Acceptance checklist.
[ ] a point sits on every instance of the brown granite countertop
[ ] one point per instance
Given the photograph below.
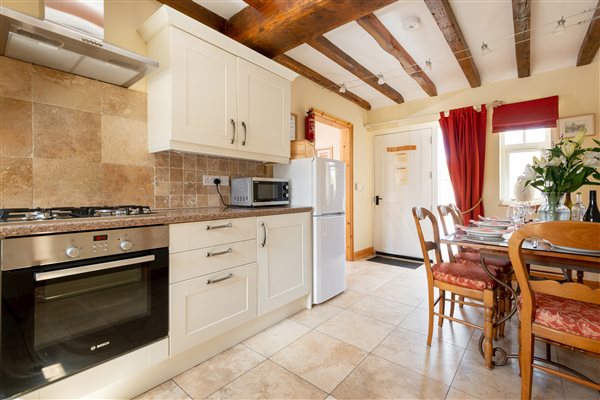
(162, 217)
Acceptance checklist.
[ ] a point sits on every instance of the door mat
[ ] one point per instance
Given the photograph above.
(396, 262)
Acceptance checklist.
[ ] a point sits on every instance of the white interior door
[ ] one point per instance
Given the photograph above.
(403, 180)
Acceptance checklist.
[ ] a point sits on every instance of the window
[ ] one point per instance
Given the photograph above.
(517, 149)
(445, 190)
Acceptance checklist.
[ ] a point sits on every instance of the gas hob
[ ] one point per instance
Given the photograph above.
(55, 213)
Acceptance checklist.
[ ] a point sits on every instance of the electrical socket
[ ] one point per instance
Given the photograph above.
(208, 180)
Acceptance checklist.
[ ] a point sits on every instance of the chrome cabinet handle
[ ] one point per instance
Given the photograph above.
(211, 281)
(210, 228)
(245, 133)
(264, 242)
(61, 273)
(233, 138)
(219, 253)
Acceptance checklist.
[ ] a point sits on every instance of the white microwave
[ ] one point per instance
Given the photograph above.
(253, 192)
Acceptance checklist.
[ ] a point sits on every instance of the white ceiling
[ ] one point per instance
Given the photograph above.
(488, 21)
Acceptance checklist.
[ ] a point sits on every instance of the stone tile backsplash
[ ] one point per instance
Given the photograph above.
(66, 140)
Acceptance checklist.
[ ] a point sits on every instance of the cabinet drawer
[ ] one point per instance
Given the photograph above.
(194, 263)
(204, 307)
(197, 235)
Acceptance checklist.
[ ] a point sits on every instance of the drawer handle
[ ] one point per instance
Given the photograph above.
(211, 281)
(210, 228)
(264, 242)
(219, 253)
(233, 138)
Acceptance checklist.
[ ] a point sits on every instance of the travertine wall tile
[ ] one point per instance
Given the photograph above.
(57, 88)
(66, 182)
(123, 102)
(15, 79)
(126, 184)
(64, 133)
(16, 134)
(16, 176)
(125, 142)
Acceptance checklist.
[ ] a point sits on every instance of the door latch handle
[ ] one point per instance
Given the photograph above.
(377, 198)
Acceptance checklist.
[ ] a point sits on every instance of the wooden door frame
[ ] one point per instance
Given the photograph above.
(347, 155)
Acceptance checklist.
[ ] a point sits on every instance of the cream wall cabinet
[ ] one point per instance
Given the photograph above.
(284, 259)
(212, 95)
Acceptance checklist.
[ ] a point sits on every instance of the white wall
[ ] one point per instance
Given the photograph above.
(328, 136)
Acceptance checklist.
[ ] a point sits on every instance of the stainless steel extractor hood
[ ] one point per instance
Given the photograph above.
(60, 47)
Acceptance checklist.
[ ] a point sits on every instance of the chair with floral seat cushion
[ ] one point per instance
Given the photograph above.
(467, 280)
(467, 255)
(566, 314)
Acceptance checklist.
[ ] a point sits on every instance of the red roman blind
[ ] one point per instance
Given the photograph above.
(539, 113)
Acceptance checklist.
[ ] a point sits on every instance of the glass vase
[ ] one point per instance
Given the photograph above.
(553, 207)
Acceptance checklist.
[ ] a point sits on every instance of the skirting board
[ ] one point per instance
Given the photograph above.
(364, 253)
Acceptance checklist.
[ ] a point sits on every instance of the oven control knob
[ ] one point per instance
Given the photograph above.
(287, 187)
(126, 245)
(72, 252)
(286, 195)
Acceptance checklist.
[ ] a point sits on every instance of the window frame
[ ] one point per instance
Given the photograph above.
(505, 193)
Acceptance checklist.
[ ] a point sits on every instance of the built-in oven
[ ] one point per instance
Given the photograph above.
(253, 192)
(72, 301)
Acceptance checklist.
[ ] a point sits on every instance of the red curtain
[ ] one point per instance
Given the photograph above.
(464, 142)
(539, 113)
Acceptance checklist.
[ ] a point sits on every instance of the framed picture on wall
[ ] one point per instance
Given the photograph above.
(571, 126)
(293, 126)
(325, 152)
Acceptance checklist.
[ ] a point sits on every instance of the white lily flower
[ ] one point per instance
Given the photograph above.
(529, 173)
(579, 138)
(591, 159)
(568, 148)
(555, 162)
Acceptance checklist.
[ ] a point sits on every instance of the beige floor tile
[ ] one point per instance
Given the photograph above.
(409, 349)
(376, 378)
(474, 378)
(397, 291)
(364, 283)
(269, 381)
(574, 391)
(382, 309)
(381, 271)
(586, 365)
(316, 315)
(356, 267)
(454, 333)
(320, 359)
(275, 338)
(208, 377)
(167, 391)
(455, 394)
(357, 330)
(346, 299)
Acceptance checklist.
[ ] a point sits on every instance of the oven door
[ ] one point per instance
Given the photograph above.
(63, 318)
(268, 192)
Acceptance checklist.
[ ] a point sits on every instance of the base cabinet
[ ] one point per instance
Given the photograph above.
(284, 259)
(204, 307)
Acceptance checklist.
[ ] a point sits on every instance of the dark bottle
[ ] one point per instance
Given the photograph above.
(592, 214)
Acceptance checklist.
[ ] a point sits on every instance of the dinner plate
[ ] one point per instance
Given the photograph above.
(495, 219)
(493, 224)
(479, 239)
(484, 232)
(576, 250)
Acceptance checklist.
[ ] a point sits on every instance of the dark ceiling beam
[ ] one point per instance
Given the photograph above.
(281, 25)
(446, 21)
(199, 13)
(320, 80)
(335, 54)
(388, 42)
(258, 4)
(591, 42)
(522, 24)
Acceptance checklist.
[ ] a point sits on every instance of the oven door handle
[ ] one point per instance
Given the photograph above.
(61, 273)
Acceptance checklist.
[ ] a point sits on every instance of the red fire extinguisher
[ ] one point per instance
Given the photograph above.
(309, 126)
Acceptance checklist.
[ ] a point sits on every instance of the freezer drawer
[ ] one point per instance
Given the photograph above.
(329, 256)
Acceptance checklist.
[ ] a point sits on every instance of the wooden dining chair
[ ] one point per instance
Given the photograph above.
(566, 314)
(470, 255)
(467, 280)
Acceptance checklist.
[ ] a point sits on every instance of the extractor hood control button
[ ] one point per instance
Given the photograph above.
(72, 252)
(286, 195)
(126, 245)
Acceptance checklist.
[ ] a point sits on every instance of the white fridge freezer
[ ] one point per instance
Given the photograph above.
(320, 183)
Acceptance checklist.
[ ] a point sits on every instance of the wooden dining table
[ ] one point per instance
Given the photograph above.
(536, 251)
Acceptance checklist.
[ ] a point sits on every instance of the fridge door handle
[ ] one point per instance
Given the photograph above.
(264, 242)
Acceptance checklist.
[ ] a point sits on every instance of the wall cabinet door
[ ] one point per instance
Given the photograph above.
(204, 92)
(263, 111)
(284, 259)
(204, 307)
